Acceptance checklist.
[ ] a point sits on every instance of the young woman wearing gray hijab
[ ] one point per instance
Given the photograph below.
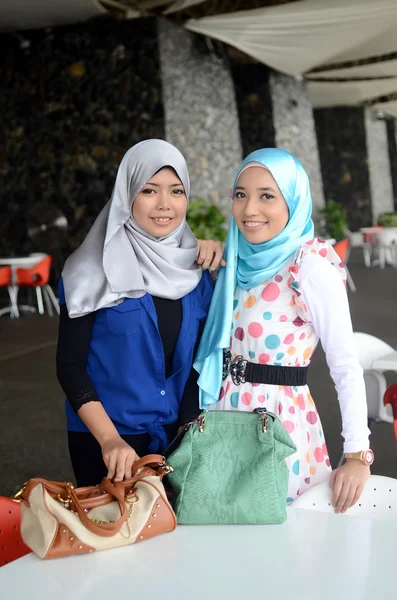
(133, 304)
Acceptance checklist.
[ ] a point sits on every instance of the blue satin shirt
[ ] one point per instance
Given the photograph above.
(126, 363)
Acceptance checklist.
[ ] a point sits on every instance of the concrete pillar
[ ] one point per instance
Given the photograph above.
(201, 117)
(380, 180)
(295, 130)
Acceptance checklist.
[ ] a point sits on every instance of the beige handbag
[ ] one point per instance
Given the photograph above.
(59, 520)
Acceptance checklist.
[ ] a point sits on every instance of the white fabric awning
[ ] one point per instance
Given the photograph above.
(389, 108)
(294, 38)
(181, 5)
(387, 68)
(374, 45)
(29, 14)
(349, 93)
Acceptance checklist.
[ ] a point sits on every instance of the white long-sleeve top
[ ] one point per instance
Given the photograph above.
(325, 296)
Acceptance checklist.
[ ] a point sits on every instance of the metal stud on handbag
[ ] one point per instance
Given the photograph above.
(59, 520)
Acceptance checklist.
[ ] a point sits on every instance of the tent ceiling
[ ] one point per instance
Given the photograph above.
(387, 68)
(295, 38)
(32, 14)
(291, 36)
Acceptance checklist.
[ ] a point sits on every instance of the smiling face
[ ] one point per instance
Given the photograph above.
(259, 208)
(161, 205)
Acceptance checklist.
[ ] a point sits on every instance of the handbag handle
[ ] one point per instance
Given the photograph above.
(56, 489)
(152, 461)
(103, 529)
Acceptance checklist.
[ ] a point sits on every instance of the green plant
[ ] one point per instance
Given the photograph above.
(388, 220)
(335, 217)
(206, 220)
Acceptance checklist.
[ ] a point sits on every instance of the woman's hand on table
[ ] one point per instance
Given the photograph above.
(119, 458)
(348, 482)
(209, 254)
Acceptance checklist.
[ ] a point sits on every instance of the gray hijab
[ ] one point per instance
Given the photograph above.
(120, 260)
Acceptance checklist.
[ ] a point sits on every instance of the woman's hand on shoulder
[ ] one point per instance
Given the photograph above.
(348, 482)
(118, 457)
(209, 254)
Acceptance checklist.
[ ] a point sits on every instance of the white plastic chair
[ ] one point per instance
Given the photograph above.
(357, 241)
(378, 500)
(387, 247)
(370, 348)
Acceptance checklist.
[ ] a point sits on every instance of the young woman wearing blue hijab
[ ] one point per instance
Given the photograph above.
(280, 293)
(133, 303)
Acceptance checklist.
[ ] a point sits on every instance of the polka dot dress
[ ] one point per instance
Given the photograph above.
(271, 325)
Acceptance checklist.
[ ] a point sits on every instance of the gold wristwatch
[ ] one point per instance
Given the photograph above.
(366, 456)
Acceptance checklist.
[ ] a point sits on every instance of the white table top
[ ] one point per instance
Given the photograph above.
(386, 363)
(313, 556)
(23, 261)
(376, 229)
(369, 229)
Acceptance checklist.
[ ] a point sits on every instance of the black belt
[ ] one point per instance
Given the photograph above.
(242, 371)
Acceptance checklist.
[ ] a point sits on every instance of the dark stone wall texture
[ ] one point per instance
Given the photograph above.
(254, 106)
(343, 156)
(75, 99)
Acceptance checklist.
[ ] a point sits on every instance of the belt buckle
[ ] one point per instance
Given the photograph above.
(235, 367)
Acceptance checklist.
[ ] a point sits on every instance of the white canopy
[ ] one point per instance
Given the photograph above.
(181, 5)
(30, 14)
(388, 68)
(390, 108)
(296, 37)
(347, 93)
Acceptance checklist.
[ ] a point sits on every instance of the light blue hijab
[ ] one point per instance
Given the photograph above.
(249, 265)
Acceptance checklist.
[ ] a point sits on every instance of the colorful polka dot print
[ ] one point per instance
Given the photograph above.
(271, 325)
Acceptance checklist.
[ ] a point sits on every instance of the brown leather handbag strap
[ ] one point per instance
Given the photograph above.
(103, 529)
(151, 460)
(55, 489)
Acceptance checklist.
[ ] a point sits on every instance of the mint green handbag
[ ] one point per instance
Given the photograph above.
(230, 469)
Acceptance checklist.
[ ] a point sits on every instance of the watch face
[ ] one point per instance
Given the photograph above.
(368, 457)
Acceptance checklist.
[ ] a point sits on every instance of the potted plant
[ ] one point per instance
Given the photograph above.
(335, 220)
(206, 220)
(388, 220)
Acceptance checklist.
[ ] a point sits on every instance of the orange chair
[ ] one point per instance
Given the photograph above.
(342, 249)
(38, 277)
(5, 281)
(11, 543)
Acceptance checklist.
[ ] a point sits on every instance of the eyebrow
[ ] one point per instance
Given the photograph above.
(158, 185)
(262, 189)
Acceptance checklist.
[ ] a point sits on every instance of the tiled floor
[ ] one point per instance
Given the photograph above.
(32, 424)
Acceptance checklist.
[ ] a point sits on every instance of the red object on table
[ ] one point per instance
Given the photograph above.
(390, 397)
(11, 543)
(369, 235)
